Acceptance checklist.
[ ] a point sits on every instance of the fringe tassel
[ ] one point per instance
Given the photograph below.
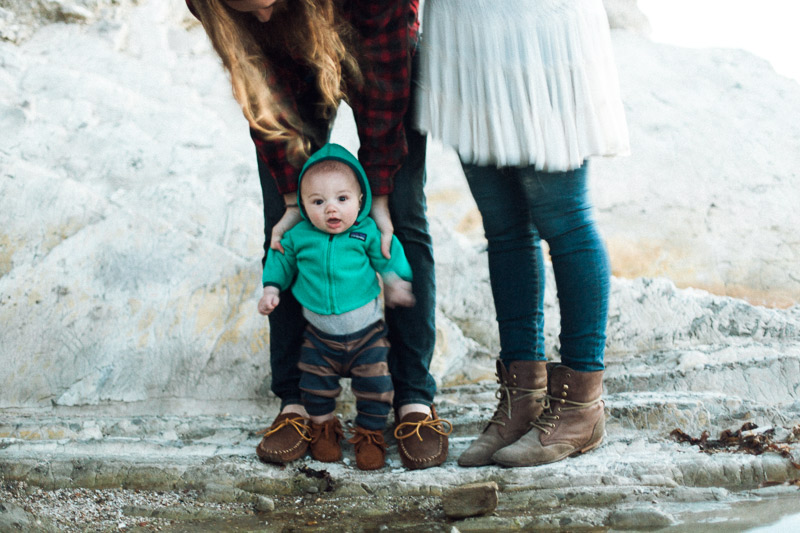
(520, 82)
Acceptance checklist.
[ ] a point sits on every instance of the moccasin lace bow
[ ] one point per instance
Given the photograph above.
(433, 423)
(366, 436)
(297, 423)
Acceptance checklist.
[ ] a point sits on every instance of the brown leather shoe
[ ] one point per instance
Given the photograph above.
(370, 448)
(325, 439)
(422, 440)
(523, 387)
(285, 440)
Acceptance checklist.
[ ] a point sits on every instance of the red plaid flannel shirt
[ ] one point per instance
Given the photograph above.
(388, 33)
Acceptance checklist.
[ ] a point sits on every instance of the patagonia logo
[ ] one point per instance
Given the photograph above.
(358, 235)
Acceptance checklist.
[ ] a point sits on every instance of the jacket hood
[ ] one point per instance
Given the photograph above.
(336, 152)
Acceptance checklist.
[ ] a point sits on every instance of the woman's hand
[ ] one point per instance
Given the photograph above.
(289, 220)
(383, 219)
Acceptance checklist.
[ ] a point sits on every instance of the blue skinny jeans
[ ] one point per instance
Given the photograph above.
(520, 206)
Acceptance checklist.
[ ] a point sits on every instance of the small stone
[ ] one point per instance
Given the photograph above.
(264, 504)
(75, 12)
(782, 434)
(470, 500)
(639, 519)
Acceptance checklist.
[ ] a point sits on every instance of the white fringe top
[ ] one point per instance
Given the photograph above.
(520, 82)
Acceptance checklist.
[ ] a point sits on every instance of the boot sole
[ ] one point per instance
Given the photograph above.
(580, 451)
(474, 465)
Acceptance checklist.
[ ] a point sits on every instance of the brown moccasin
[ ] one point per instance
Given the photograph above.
(422, 439)
(370, 448)
(325, 439)
(285, 440)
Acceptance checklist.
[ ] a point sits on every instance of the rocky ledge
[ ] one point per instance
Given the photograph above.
(643, 476)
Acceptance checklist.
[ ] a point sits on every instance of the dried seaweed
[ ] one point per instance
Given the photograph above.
(743, 440)
(319, 474)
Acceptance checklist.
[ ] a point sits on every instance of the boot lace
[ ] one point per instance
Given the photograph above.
(298, 423)
(546, 420)
(507, 396)
(363, 437)
(436, 424)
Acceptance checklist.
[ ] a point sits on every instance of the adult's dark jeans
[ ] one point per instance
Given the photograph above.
(412, 331)
(520, 206)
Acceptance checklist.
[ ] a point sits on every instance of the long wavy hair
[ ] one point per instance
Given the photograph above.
(308, 30)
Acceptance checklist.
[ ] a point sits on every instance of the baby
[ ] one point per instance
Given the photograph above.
(330, 261)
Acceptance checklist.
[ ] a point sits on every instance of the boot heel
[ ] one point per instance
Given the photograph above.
(589, 447)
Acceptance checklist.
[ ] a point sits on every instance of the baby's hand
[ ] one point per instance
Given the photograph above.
(269, 301)
(397, 292)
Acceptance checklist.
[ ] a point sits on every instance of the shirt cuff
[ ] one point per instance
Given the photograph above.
(381, 179)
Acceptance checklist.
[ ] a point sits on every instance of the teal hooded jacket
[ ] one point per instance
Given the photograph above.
(333, 274)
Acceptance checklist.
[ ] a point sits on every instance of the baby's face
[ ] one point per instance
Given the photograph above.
(331, 200)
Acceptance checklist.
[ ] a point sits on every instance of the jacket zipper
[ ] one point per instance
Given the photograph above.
(329, 273)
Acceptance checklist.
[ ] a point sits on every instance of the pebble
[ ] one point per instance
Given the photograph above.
(264, 504)
(639, 518)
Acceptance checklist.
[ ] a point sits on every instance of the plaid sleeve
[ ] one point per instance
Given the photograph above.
(386, 29)
(274, 156)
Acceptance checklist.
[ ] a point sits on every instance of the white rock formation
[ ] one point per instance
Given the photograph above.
(130, 244)
(131, 231)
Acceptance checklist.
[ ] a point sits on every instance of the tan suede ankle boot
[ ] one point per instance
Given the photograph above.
(523, 387)
(572, 422)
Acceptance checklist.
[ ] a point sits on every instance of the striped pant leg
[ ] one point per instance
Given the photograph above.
(320, 366)
(371, 380)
